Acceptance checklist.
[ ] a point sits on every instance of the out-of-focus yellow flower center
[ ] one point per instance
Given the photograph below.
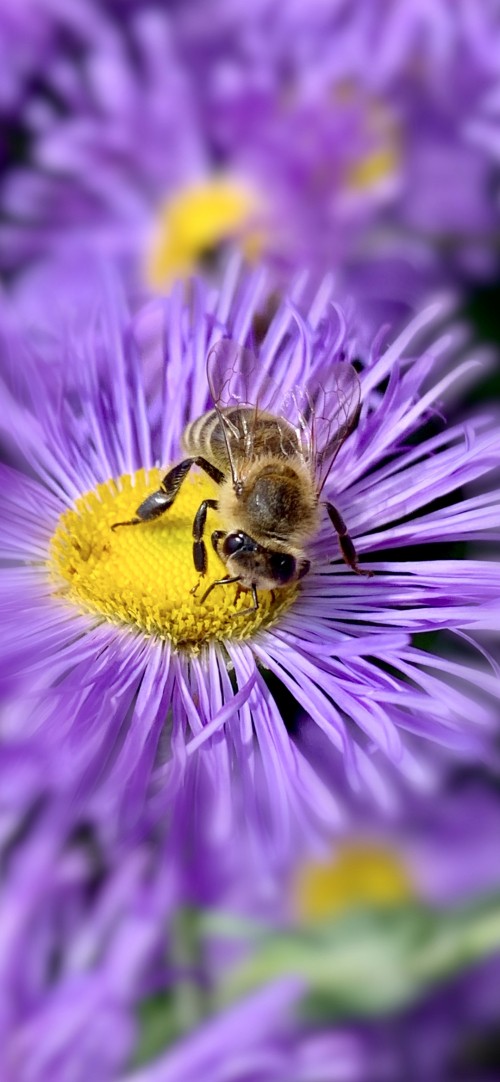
(142, 575)
(195, 221)
(383, 161)
(358, 875)
(369, 171)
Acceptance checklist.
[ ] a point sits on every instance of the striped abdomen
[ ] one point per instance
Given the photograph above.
(251, 435)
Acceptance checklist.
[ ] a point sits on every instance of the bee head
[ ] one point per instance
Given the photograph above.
(259, 566)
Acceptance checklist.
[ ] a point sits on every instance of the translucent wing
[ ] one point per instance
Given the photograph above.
(240, 392)
(321, 415)
(232, 373)
(326, 413)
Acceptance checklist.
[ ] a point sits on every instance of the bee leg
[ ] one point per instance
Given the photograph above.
(345, 541)
(252, 608)
(217, 536)
(219, 582)
(213, 472)
(158, 502)
(152, 507)
(199, 547)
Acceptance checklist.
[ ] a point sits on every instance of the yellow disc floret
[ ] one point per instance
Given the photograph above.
(195, 221)
(144, 575)
(372, 169)
(360, 874)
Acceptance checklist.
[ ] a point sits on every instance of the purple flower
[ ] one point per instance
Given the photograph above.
(29, 36)
(391, 928)
(438, 853)
(360, 137)
(250, 1042)
(87, 938)
(374, 126)
(109, 132)
(90, 982)
(120, 685)
(82, 930)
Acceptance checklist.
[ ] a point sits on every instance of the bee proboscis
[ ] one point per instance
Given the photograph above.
(270, 460)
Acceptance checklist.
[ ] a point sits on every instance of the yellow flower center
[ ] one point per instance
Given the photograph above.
(194, 222)
(369, 171)
(382, 162)
(359, 875)
(143, 575)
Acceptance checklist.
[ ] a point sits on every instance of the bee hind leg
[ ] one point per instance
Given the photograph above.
(346, 543)
(158, 502)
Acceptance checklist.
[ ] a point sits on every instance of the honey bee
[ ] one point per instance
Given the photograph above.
(270, 469)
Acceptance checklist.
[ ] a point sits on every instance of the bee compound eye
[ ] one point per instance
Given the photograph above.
(283, 566)
(234, 543)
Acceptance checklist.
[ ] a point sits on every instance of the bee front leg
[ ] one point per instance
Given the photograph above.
(217, 536)
(199, 547)
(346, 543)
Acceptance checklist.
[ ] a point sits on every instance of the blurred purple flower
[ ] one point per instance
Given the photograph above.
(112, 713)
(249, 1042)
(372, 125)
(432, 858)
(80, 931)
(87, 962)
(109, 130)
(438, 853)
(366, 131)
(87, 937)
(30, 34)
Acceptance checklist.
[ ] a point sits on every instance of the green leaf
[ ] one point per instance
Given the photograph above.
(370, 961)
(157, 1028)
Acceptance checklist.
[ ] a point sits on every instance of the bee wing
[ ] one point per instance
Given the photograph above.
(230, 370)
(324, 416)
(235, 378)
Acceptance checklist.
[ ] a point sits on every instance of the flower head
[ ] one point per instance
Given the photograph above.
(112, 961)
(124, 682)
(395, 933)
(83, 928)
(372, 124)
(356, 136)
(106, 139)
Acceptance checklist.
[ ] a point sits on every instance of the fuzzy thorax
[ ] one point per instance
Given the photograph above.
(277, 505)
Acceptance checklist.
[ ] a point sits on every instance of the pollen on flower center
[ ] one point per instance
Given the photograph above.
(358, 875)
(195, 221)
(143, 575)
